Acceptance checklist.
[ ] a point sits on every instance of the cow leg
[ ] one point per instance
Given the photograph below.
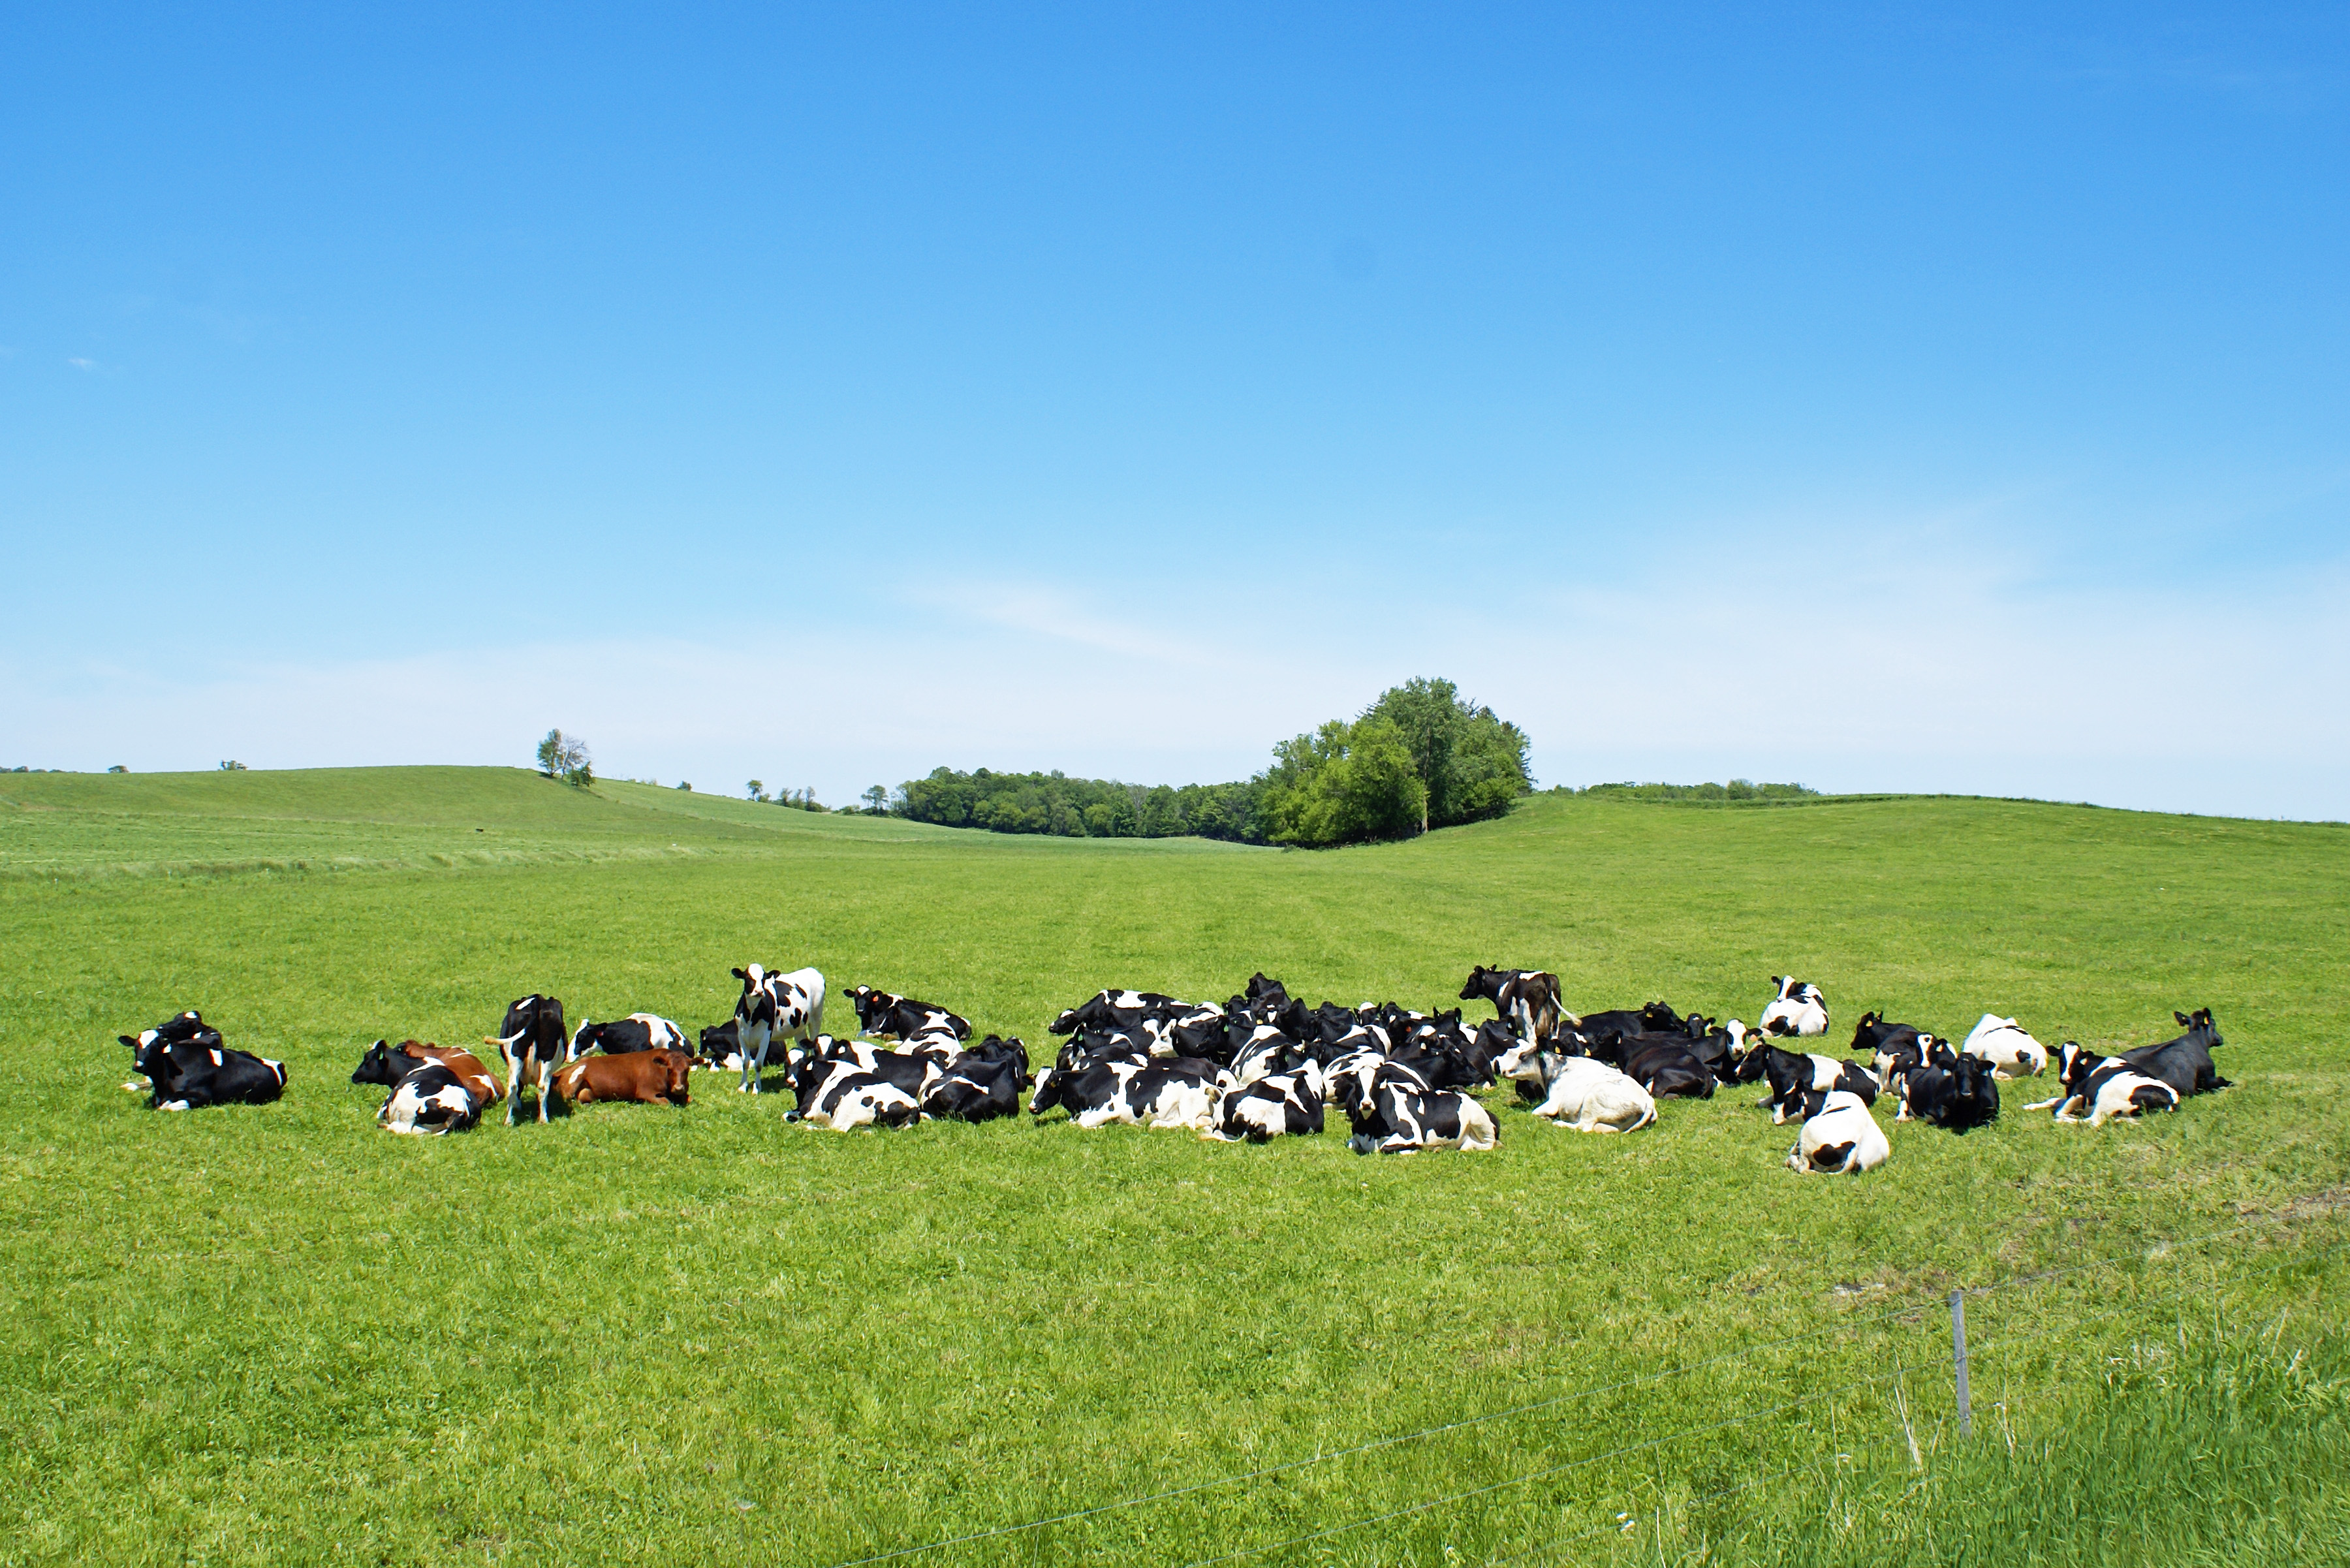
(514, 1076)
(546, 1089)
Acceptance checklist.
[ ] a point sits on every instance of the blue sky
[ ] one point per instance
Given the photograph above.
(1881, 399)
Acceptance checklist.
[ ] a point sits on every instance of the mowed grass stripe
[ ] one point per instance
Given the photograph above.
(276, 1333)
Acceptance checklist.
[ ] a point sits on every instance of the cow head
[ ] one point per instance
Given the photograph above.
(1482, 982)
(2199, 1023)
(1049, 1084)
(675, 1068)
(385, 1064)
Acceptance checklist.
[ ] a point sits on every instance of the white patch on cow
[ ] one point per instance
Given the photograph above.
(2012, 1052)
(1592, 1097)
(172, 1105)
(1842, 1120)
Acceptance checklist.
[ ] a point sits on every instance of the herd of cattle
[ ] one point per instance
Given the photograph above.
(1262, 1065)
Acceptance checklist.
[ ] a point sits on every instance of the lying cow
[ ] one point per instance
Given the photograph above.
(1526, 998)
(2104, 1086)
(637, 1032)
(1115, 1010)
(434, 1089)
(885, 1016)
(1838, 1138)
(1285, 1105)
(981, 1083)
(1399, 1120)
(1100, 1092)
(650, 1077)
(2012, 1053)
(1797, 1009)
(186, 1076)
(1949, 1090)
(1579, 1093)
(2185, 1063)
(187, 1028)
(531, 1044)
(1792, 1077)
(775, 1007)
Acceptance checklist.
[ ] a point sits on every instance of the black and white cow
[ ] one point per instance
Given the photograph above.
(2185, 1063)
(187, 1028)
(637, 1032)
(775, 1007)
(1526, 998)
(2011, 1051)
(531, 1043)
(1099, 1093)
(1793, 1076)
(721, 1048)
(912, 1071)
(1798, 1008)
(981, 1083)
(886, 1016)
(428, 1097)
(1949, 1090)
(2104, 1086)
(1894, 1050)
(1398, 1120)
(186, 1076)
(1839, 1136)
(836, 1092)
(1114, 1009)
(1285, 1105)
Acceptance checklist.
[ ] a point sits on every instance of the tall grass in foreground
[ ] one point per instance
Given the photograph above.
(2200, 1442)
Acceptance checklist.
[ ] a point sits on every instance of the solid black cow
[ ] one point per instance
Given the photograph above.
(1668, 1064)
(186, 1076)
(1655, 1018)
(1949, 1090)
(2185, 1063)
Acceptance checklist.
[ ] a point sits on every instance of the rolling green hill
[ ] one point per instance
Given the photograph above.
(275, 1332)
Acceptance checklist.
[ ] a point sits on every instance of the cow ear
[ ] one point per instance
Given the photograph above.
(2183, 1019)
(739, 974)
(127, 1041)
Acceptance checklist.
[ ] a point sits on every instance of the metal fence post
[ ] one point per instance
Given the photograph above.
(1958, 1359)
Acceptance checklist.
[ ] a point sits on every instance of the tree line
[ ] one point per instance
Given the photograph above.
(1420, 757)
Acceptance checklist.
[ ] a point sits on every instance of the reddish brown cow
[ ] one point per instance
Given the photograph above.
(647, 1078)
(468, 1067)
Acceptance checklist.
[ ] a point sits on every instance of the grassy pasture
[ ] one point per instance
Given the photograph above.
(275, 1333)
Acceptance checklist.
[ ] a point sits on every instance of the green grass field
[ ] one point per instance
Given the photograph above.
(275, 1333)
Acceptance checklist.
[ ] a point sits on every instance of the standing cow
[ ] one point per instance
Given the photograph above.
(774, 1006)
(1528, 998)
(532, 1042)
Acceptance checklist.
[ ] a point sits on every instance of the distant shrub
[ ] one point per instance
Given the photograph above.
(565, 757)
(1700, 793)
(683, 786)
(118, 768)
(231, 767)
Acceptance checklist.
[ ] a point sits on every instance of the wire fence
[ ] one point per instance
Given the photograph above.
(1934, 1353)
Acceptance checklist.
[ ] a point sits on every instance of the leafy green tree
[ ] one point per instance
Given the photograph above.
(565, 757)
(1472, 761)
(1344, 783)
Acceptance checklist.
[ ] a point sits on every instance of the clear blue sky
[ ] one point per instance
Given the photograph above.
(1871, 396)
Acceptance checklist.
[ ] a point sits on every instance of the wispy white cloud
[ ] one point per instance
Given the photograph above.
(81, 364)
(1916, 661)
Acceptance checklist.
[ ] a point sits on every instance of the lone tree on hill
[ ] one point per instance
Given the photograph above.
(565, 757)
